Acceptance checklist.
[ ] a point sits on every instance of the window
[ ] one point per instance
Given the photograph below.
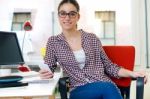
(107, 26)
(19, 19)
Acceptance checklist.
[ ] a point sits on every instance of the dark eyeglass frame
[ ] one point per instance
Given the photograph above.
(71, 14)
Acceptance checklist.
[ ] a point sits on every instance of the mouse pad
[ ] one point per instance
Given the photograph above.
(9, 79)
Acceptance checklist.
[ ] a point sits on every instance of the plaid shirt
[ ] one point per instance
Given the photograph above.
(97, 65)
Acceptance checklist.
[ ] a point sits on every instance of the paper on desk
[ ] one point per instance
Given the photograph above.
(32, 77)
(27, 74)
(36, 79)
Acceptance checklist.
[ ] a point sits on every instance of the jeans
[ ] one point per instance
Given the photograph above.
(96, 90)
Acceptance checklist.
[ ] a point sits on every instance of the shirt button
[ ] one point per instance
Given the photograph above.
(87, 79)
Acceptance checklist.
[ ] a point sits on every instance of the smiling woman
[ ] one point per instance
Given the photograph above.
(82, 58)
(68, 15)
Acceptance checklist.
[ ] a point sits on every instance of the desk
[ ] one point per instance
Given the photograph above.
(32, 90)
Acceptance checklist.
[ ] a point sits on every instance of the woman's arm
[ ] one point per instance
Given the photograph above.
(49, 59)
(133, 74)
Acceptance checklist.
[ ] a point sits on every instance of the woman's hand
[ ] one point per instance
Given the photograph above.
(45, 74)
(136, 74)
(133, 74)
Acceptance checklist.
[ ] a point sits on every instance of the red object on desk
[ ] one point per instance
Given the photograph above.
(23, 68)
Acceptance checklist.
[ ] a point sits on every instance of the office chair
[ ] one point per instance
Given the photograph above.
(123, 56)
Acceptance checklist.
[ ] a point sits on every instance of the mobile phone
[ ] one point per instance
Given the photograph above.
(44, 66)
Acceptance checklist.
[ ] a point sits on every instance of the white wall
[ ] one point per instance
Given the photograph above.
(139, 30)
(148, 23)
(41, 19)
(123, 17)
(138, 27)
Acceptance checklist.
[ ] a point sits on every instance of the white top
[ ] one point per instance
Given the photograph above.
(80, 57)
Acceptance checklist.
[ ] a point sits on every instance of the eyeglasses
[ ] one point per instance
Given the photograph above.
(71, 14)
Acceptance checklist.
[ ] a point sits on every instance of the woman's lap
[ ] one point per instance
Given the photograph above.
(96, 90)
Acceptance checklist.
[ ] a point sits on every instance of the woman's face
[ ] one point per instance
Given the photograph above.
(68, 16)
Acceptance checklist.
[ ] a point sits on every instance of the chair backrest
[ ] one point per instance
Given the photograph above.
(123, 56)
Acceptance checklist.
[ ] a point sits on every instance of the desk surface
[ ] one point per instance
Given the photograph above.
(33, 89)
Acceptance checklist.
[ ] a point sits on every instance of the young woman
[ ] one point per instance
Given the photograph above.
(82, 57)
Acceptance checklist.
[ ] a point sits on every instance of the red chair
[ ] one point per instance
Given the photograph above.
(123, 56)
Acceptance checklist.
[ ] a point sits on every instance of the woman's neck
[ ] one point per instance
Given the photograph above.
(71, 33)
(74, 39)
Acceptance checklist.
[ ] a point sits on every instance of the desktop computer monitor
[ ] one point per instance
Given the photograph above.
(10, 52)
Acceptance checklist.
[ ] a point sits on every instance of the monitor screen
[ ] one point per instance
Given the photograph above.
(10, 52)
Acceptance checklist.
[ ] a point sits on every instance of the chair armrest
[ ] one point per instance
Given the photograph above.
(140, 88)
(63, 88)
